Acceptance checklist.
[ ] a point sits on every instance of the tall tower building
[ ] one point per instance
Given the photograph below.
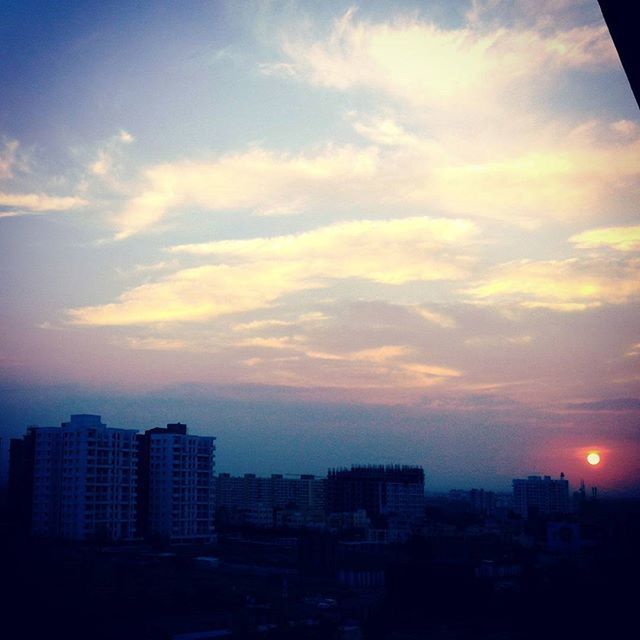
(80, 479)
(177, 486)
(540, 495)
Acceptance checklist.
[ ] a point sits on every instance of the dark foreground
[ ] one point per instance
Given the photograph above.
(462, 577)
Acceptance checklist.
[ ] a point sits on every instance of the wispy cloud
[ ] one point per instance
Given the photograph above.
(156, 344)
(618, 238)
(8, 158)
(423, 64)
(195, 295)
(108, 154)
(561, 285)
(509, 157)
(488, 341)
(389, 251)
(251, 274)
(440, 319)
(381, 367)
(30, 203)
(385, 131)
(257, 180)
(256, 325)
(515, 170)
(613, 404)
(633, 351)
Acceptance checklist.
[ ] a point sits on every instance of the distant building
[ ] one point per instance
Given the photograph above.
(177, 484)
(357, 519)
(458, 495)
(540, 495)
(384, 492)
(277, 500)
(78, 480)
(475, 500)
(483, 502)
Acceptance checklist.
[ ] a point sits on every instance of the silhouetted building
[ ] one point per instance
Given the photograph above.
(563, 537)
(382, 491)
(540, 495)
(483, 502)
(77, 481)
(273, 501)
(177, 484)
(358, 519)
(475, 500)
(20, 481)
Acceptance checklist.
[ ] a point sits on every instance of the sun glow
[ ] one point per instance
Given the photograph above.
(593, 458)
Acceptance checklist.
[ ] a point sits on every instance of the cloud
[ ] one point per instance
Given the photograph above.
(552, 174)
(107, 157)
(30, 203)
(560, 285)
(256, 325)
(195, 295)
(459, 126)
(285, 342)
(8, 158)
(310, 319)
(618, 238)
(625, 128)
(379, 354)
(156, 344)
(512, 172)
(355, 376)
(471, 131)
(125, 137)
(491, 341)
(102, 165)
(439, 319)
(506, 167)
(633, 351)
(252, 274)
(388, 251)
(295, 360)
(385, 131)
(385, 366)
(424, 65)
(613, 404)
(261, 181)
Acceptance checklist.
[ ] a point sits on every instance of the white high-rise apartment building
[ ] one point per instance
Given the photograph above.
(84, 480)
(177, 489)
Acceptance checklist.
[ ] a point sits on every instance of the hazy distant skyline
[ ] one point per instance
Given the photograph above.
(327, 232)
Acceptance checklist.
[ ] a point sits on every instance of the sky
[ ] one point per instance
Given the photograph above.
(327, 233)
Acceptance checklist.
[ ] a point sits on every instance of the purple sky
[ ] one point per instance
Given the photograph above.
(326, 233)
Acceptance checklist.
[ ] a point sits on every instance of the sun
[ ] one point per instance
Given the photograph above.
(593, 458)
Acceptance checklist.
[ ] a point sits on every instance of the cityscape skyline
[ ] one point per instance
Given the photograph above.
(327, 233)
(87, 481)
(493, 483)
